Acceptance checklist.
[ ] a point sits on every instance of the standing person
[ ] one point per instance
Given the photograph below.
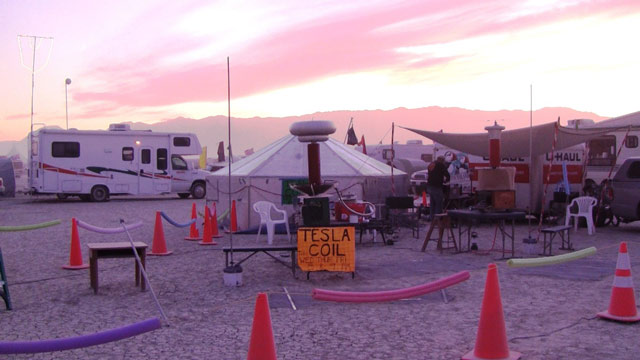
(438, 176)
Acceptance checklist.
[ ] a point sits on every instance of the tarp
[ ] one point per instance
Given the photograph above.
(515, 143)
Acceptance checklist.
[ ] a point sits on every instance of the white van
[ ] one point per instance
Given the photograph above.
(94, 164)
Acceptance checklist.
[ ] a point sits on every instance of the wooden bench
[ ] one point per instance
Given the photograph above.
(115, 250)
(552, 232)
(4, 292)
(265, 249)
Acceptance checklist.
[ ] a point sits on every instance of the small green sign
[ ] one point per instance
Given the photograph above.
(289, 194)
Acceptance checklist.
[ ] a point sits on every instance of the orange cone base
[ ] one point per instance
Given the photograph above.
(75, 267)
(160, 254)
(188, 238)
(207, 243)
(607, 315)
(513, 355)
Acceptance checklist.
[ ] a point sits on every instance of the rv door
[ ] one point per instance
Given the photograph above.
(145, 170)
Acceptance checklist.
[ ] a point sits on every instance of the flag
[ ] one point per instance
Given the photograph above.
(221, 151)
(203, 158)
(364, 146)
(352, 139)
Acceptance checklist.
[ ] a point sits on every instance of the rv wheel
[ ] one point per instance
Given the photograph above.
(99, 193)
(61, 196)
(198, 190)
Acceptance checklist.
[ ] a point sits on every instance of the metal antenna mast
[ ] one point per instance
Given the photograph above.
(33, 84)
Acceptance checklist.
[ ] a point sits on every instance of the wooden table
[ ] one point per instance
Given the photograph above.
(465, 219)
(115, 250)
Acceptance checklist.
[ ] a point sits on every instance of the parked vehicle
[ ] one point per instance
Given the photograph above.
(1, 186)
(94, 164)
(624, 191)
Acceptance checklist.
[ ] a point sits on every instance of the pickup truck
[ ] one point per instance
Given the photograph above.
(625, 191)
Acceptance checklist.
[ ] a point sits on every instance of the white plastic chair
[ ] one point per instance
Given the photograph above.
(264, 209)
(585, 209)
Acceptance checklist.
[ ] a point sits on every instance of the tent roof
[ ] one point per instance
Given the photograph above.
(287, 157)
(516, 142)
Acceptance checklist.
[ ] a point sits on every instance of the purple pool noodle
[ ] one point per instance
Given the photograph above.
(29, 347)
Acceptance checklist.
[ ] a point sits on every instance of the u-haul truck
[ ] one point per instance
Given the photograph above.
(547, 172)
(94, 164)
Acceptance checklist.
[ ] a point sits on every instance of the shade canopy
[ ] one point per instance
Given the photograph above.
(515, 143)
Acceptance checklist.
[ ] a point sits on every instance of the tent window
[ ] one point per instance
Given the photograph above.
(181, 141)
(161, 156)
(65, 149)
(631, 142)
(602, 151)
(127, 154)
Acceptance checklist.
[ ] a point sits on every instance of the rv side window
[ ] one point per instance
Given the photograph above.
(146, 156)
(388, 154)
(428, 158)
(634, 170)
(631, 142)
(127, 154)
(181, 141)
(65, 149)
(161, 156)
(602, 151)
(178, 163)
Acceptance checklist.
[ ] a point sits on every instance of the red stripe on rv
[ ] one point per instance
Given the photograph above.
(69, 172)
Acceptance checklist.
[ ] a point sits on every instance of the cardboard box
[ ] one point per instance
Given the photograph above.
(503, 199)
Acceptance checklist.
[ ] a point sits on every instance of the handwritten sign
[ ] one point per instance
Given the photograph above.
(327, 248)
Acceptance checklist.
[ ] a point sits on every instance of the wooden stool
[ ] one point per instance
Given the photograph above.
(443, 223)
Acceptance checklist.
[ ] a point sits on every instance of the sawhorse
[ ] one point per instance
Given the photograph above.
(443, 223)
(4, 293)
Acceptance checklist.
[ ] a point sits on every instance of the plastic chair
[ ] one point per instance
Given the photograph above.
(585, 209)
(264, 209)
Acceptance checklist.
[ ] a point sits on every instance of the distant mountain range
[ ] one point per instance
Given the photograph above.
(255, 133)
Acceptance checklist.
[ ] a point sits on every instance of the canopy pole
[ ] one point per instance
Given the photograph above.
(393, 155)
(531, 191)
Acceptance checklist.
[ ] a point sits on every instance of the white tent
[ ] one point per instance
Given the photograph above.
(267, 174)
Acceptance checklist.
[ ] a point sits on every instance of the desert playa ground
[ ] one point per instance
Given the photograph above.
(549, 311)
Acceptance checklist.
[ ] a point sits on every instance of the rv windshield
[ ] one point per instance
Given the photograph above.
(178, 163)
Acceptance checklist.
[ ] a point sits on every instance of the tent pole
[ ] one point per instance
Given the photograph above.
(229, 127)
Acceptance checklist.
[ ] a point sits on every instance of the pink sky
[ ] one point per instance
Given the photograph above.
(154, 60)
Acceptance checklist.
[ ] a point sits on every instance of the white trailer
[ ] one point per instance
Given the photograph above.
(94, 164)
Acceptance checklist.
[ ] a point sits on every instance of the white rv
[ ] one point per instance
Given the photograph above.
(607, 152)
(94, 164)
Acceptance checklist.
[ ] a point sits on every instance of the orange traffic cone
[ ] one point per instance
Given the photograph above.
(424, 199)
(262, 345)
(491, 342)
(622, 306)
(214, 223)
(75, 253)
(159, 246)
(234, 219)
(193, 231)
(206, 233)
